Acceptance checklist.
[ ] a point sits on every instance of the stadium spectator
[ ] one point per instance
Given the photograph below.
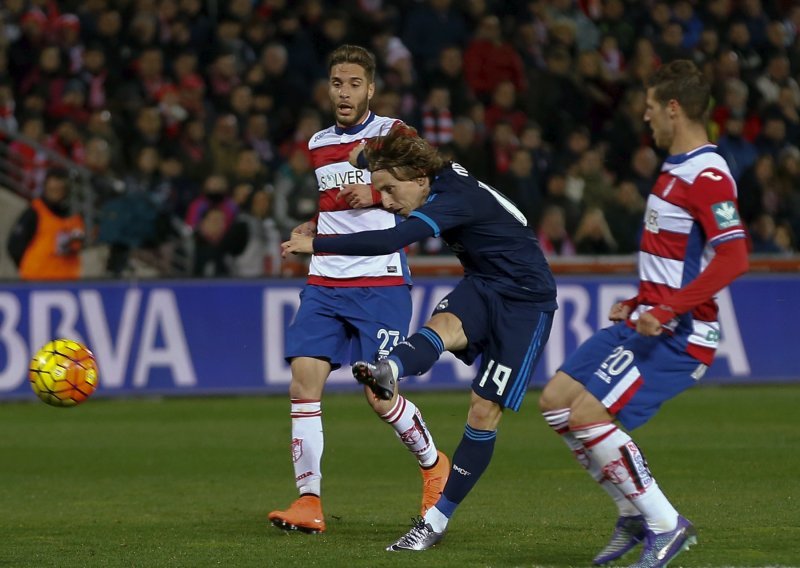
(756, 183)
(224, 145)
(763, 235)
(521, 185)
(624, 216)
(556, 102)
(30, 161)
(734, 101)
(503, 106)
(335, 317)
(552, 233)
(67, 141)
(593, 235)
(615, 23)
(738, 152)
(431, 26)
(260, 254)
(449, 73)
(8, 121)
(624, 132)
(748, 58)
(666, 336)
(296, 192)
(465, 148)
(541, 155)
(436, 119)
(194, 151)
(490, 60)
(776, 76)
(47, 238)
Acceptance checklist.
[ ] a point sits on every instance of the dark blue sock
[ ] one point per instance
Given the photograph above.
(418, 353)
(470, 460)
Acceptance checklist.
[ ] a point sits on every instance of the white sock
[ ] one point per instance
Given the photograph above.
(622, 463)
(307, 445)
(436, 519)
(407, 422)
(558, 420)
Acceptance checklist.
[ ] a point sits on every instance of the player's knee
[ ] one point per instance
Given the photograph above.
(484, 414)
(560, 392)
(548, 399)
(587, 410)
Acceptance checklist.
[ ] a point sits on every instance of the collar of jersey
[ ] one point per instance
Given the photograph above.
(356, 128)
(678, 159)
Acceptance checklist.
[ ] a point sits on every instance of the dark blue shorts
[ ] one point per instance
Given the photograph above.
(510, 334)
(345, 325)
(633, 375)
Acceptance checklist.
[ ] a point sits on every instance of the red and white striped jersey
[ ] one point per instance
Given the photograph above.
(691, 210)
(330, 149)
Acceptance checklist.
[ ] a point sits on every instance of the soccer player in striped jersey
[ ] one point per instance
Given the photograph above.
(351, 305)
(693, 245)
(502, 309)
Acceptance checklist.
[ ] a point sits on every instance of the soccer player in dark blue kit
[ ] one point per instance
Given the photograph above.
(502, 309)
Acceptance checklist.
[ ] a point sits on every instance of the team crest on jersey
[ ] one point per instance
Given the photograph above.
(297, 449)
(651, 220)
(725, 214)
(442, 305)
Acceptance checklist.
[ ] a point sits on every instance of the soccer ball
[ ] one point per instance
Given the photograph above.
(63, 373)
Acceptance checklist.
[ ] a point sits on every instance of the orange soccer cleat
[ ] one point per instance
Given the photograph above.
(433, 480)
(304, 515)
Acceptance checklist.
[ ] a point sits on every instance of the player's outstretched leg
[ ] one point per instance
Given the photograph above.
(630, 528)
(304, 515)
(420, 537)
(378, 376)
(622, 462)
(660, 549)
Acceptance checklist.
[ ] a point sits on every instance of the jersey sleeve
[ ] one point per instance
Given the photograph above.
(374, 243)
(444, 211)
(716, 208)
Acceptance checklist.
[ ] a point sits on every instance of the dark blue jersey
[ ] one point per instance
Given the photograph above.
(482, 227)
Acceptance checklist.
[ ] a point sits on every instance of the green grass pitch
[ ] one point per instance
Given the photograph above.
(188, 482)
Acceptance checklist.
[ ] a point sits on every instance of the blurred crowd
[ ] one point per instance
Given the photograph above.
(201, 110)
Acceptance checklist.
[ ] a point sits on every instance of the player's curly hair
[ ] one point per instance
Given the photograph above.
(682, 81)
(403, 153)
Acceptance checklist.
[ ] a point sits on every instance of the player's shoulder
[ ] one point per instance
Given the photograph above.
(324, 137)
(700, 166)
(453, 177)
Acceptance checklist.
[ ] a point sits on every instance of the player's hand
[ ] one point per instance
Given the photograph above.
(352, 157)
(356, 195)
(297, 244)
(648, 325)
(309, 229)
(619, 312)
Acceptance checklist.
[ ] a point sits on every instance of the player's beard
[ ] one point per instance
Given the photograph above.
(359, 112)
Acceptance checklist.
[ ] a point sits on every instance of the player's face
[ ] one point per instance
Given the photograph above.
(350, 92)
(400, 197)
(660, 120)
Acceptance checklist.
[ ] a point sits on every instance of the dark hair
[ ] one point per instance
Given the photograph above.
(57, 173)
(403, 154)
(354, 54)
(682, 81)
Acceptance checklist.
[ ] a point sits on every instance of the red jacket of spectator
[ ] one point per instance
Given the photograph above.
(486, 63)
